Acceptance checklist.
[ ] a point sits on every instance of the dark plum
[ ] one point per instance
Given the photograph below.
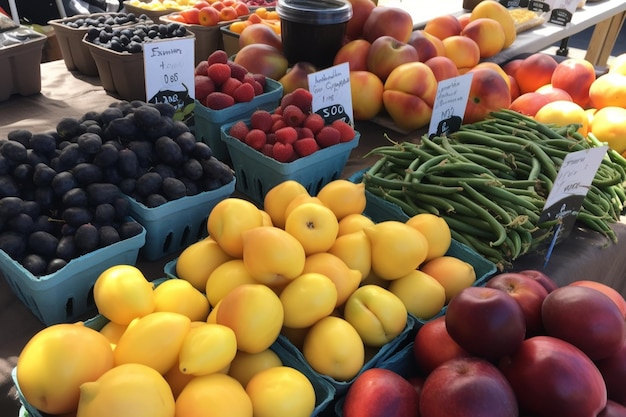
(86, 173)
(42, 243)
(86, 238)
(63, 182)
(76, 197)
(173, 188)
(43, 175)
(13, 243)
(148, 183)
(102, 192)
(10, 206)
(89, 143)
(77, 216)
(154, 200)
(168, 151)
(108, 235)
(35, 264)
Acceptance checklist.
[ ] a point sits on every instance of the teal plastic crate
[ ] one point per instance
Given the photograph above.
(257, 173)
(207, 122)
(176, 224)
(67, 295)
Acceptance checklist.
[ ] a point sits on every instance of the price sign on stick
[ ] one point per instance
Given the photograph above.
(169, 67)
(332, 98)
(569, 190)
(450, 103)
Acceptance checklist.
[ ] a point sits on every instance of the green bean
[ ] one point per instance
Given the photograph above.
(488, 204)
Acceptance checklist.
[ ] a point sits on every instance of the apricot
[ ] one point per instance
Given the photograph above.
(463, 51)
(488, 35)
(495, 10)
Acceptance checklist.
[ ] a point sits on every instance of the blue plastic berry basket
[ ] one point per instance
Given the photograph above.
(207, 122)
(67, 295)
(176, 224)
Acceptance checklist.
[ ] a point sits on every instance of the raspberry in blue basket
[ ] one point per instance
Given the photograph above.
(203, 86)
(286, 134)
(305, 146)
(218, 101)
(293, 115)
(344, 128)
(304, 132)
(271, 138)
(244, 93)
(238, 71)
(239, 130)
(315, 122)
(268, 150)
(261, 119)
(218, 56)
(278, 124)
(260, 78)
(219, 73)
(229, 86)
(255, 138)
(328, 136)
(300, 97)
(283, 152)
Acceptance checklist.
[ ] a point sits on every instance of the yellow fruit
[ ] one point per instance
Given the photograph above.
(281, 391)
(127, 390)
(206, 349)
(295, 336)
(355, 250)
(397, 248)
(314, 225)
(343, 197)
(245, 365)
(122, 293)
(56, 361)
(300, 199)
(618, 64)
(452, 273)
(346, 280)
(215, 395)
(435, 230)
(355, 222)
(272, 256)
(224, 278)
(213, 314)
(255, 314)
(153, 340)
(377, 314)
(267, 220)
(113, 331)
(308, 298)
(495, 10)
(196, 262)
(176, 379)
(278, 198)
(333, 347)
(179, 296)
(423, 295)
(609, 127)
(229, 219)
(562, 113)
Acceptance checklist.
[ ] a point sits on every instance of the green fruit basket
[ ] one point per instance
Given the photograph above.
(66, 296)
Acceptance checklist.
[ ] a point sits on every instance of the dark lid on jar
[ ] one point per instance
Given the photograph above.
(317, 12)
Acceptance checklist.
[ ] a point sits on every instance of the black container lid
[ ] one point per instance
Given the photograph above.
(315, 12)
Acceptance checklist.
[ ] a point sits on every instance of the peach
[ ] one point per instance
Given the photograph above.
(575, 75)
(361, 10)
(367, 94)
(535, 71)
(389, 21)
(208, 16)
(297, 77)
(354, 53)
(386, 53)
(443, 26)
(228, 13)
(529, 103)
(488, 92)
(488, 35)
(259, 33)
(464, 19)
(497, 11)
(427, 46)
(553, 93)
(608, 90)
(463, 51)
(498, 68)
(443, 67)
(513, 87)
(511, 66)
(191, 15)
(263, 59)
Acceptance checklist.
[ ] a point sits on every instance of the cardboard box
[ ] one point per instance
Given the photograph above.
(20, 62)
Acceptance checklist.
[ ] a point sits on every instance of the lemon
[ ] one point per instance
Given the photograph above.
(308, 298)
(300, 199)
(354, 222)
(113, 331)
(196, 262)
(245, 365)
(229, 219)
(225, 277)
(153, 340)
(436, 231)
(453, 274)
(343, 197)
(314, 225)
(346, 280)
(281, 391)
(272, 256)
(206, 349)
(267, 220)
(255, 314)
(122, 293)
(179, 296)
(215, 395)
(127, 390)
(56, 361)
(423, 295)
(278, 198)
(397, 248)
(355, 250)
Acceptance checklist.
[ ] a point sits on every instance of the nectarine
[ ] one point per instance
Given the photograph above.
(367, 94)
(463, 51)
(488, 35)
(535, 71)
(443, 26)
(575, 75)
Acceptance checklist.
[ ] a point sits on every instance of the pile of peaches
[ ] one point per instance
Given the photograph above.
(210, 13)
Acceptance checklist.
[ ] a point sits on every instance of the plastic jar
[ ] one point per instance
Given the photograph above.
(313, 30)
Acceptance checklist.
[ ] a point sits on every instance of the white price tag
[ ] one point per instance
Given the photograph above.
(450, 103)
(332, 98)
(169, 72)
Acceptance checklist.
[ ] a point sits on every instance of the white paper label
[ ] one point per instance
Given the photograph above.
(450, 103)
(332, 98)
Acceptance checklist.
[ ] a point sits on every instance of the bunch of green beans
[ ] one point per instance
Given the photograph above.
(490, 180)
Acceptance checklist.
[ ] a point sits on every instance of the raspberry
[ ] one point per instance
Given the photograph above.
(286, 135)
(328, 136)
(305, 146)
(219, 73)
(244, 93)
(218, 100)
(283, 152)
(260, 78)
(203, 86)
(261, 119)
(271, 138)
(248, 78)
(278, 124)
(305, 132)
(229, 86)
(315, 122)
(299, 97)
(218, 56)
(293, 116)
(344, 128)
(267, 150)
(255, 139)
(258, 88)
(237, 71)
(201, 68)
(239, 130)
